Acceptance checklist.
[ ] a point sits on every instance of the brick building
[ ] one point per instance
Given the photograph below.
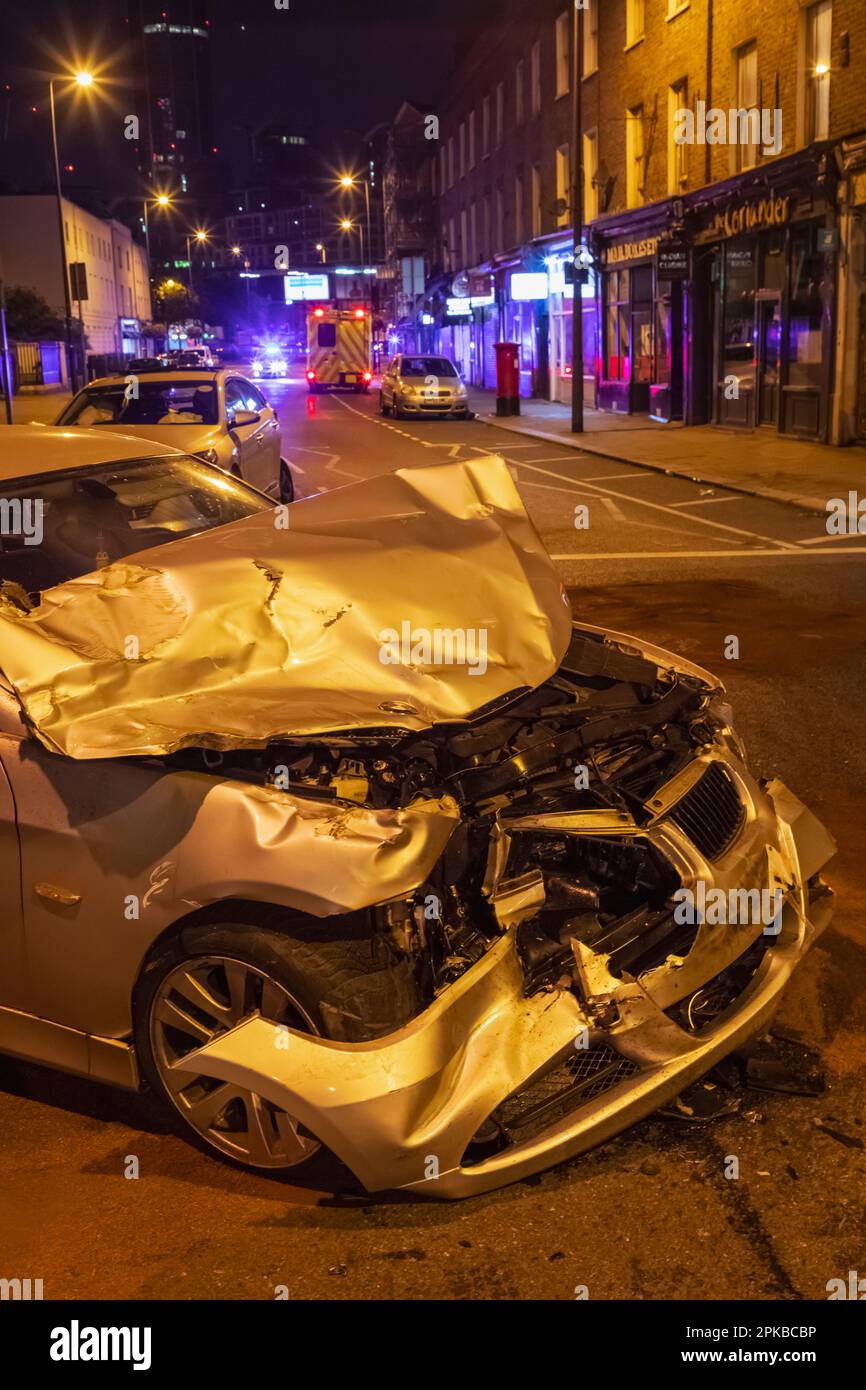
(724, 181)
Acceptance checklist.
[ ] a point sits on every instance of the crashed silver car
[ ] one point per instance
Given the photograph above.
(334, 828)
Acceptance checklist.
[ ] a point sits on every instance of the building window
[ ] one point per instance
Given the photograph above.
(590, 175)
(616, 359)
(486, 248)
(747, 100)
(464, 249)
(451, 161)
(471, 139)
(442, 170)
(485, 127)
(678, 101)
(535, 78)
(590, 38)
(819, 24)
(518, 208)
(634, 155)
(473, 234)
(536, 200)
(462, 134)
(500, 221)
(519, 77)
(634, 21)
(806, 312)
(562, 72)
(500, 112)
(563, 186)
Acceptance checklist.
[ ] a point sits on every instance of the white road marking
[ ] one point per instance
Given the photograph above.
(664, 507)
(705, 501)
(640, 475)
(711, 554)
(821, 540)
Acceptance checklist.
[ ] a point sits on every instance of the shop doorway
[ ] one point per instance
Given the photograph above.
(768, 357)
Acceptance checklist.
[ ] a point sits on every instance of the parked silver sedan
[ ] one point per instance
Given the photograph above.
(421, 385)
(219, 416)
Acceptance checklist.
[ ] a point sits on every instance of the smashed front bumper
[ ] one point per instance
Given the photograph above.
(402, 1112)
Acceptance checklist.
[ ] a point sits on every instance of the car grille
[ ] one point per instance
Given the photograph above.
(711, 814)
(587, 1073)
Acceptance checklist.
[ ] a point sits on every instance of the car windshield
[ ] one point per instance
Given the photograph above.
(427, 366)
(145, 403)
(58, 526)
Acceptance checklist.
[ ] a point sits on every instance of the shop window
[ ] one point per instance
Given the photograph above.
(819, 24)
(642, 323)
(806, 312)
(738, 347)
(662, 345)
(616, 355)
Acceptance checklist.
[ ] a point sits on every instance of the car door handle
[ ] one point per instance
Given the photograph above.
(53, 893)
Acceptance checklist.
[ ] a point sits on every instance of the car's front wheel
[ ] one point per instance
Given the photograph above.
(287, 483)
(337, 982)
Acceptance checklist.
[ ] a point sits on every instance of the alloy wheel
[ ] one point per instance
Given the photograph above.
(196, 1002)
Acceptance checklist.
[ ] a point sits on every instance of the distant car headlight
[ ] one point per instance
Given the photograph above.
(208, 456)
(256, 368)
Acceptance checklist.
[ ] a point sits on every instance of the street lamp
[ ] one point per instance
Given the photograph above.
(201, 237)
(320, 247)
(349, 181)
(162, 200)
(82, 79)
(348, 225)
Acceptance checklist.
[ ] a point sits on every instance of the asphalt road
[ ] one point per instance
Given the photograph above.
(650, 1215)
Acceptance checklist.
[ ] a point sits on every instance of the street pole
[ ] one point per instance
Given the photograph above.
(369, 232)
(189, 259)
(577, 216)
(147, 238)
(67, 300)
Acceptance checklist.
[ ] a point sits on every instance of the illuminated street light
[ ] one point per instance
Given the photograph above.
(352, 181)
(83, 79)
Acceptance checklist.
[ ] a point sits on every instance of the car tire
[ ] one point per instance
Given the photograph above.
(334, 980)
(287, 484)
(383, 408)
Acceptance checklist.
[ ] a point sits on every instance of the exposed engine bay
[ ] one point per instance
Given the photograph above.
(599, 736)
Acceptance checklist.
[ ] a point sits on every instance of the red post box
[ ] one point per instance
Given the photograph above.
(507, 379)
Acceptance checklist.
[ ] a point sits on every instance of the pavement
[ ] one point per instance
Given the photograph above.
(654, 1214)
(758, 462)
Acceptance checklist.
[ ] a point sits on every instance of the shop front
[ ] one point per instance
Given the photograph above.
(764, 291)
(640, 312)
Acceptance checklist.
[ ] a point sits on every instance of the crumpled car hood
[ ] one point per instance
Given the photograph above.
(251, 633)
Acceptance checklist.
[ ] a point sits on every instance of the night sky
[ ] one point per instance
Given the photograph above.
(322, 63)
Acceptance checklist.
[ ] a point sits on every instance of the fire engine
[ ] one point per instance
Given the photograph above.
(339, 349)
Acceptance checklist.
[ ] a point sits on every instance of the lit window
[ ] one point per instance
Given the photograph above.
(590, 37)
(634, 155)
(819, 24)
(747, 100)
(634, 21)
(678, 101)
(562, 45)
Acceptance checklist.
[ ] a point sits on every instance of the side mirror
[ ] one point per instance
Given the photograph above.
(245, 417)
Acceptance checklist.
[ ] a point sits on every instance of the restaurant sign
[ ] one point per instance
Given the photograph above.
(631, 251)
(750, 217)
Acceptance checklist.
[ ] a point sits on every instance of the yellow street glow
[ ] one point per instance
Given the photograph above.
(84, 79)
